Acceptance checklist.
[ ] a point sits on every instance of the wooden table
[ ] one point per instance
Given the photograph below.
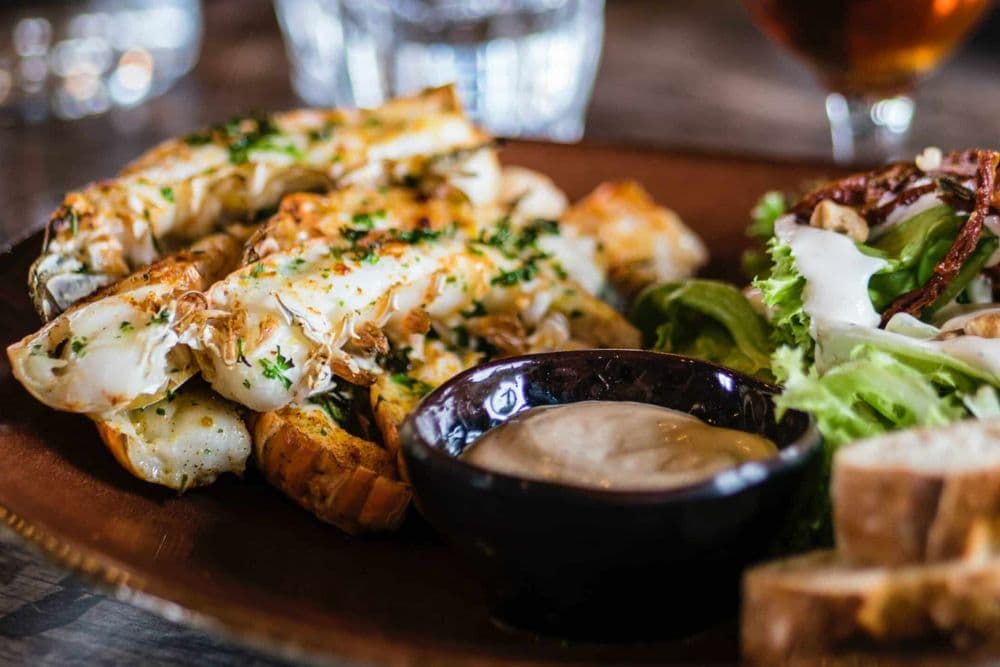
(681, 73)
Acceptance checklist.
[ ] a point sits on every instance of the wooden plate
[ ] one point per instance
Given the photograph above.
(241, 559)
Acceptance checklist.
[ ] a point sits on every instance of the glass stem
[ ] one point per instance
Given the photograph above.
(868, 130)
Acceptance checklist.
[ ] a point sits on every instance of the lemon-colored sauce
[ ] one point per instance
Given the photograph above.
(614, 445)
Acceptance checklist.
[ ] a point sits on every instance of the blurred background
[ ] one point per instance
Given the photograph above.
(87, 85)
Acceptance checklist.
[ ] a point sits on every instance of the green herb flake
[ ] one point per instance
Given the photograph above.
(161, 412)
(411, 384)
(168, 194)
(79, 346)
(161, 317)
(334, 411)
(275, 370)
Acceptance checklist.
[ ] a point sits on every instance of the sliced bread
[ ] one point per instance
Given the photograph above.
(817, 603)
(921, 495)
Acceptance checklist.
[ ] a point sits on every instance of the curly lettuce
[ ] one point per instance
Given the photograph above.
(706, 319)
(771, 206)
(783, 293)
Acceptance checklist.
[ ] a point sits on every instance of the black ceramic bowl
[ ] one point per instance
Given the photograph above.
(604, 564)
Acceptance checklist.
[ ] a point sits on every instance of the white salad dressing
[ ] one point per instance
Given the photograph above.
(836, 275)
(973, 355)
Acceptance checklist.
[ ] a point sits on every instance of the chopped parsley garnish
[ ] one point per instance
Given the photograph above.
(168, 193)
(243, 135)
(161, 317)
(240, 356)
(353, 234)
(330, 407)
(246, 383)
(126, 327)
(79, 346)
(161, 411)
(540, 227)
(321, 134)
(294, 265)
(74, 222)
(257, 270)
(415, 236)
(522, 274)
(412, 384)
(477, 309)
(366, 220)
(275, 370)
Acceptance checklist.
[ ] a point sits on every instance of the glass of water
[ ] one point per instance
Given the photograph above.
(522, 67)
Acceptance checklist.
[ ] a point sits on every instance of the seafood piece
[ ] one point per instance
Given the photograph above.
(120, 348)
(279, 330)
(183, 441)
(329, 273)
(640, 242)
(343, 479)
(185, 188)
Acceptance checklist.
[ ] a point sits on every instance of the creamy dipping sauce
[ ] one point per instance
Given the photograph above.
(614, 445)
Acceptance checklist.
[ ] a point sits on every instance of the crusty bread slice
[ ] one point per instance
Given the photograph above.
(921, 495)
(342, 479)
(816, 603)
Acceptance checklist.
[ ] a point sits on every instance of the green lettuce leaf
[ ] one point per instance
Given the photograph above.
(706, 319)
(914, 247)
(871, 393)
(783, 296)
(771, 206)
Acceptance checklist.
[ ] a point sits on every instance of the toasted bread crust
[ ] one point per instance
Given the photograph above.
(342, 479)
(817, 603)
(925, 495)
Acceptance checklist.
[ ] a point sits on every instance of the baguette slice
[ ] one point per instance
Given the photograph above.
(922, 495)
(818, 603)
(344, 480)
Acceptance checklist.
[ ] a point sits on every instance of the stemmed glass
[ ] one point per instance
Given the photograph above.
(869, 54)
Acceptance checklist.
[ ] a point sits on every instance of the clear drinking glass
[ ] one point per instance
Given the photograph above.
(869, 54)
(522, 67)
(81, 58)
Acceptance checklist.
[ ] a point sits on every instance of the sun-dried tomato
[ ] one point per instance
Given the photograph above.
(915, 301)
(862, 190)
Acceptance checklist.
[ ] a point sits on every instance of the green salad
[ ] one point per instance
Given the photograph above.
(872, 304)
